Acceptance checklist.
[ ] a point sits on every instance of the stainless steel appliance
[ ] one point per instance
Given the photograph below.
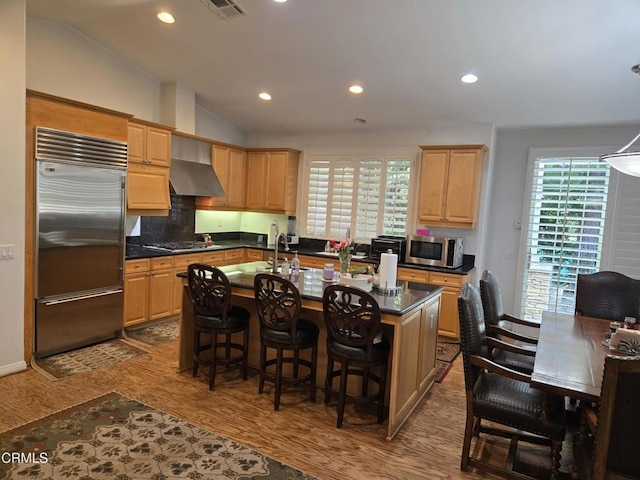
(435, 251)
(80, 212)
(383, 243)
(183, 246)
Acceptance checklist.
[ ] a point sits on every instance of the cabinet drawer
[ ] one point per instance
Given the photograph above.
(234, 256)
(413, 275)
(183, 261)
(133, 266)
(158, 263)
(446, 279)
(253, 255)
(215, 259)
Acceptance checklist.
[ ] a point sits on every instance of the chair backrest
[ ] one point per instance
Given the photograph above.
(618, 421)
(278, 302)
(209, 290)
(610, 295)
(472, 332)
(352, 316)
(491, 298)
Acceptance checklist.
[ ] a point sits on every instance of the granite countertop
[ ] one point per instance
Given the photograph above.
(311, 287)
(135, 252)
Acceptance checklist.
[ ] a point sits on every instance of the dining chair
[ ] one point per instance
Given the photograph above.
(355, 340)
(606, 446)
(606, 294)
(501, 326)
(210, 293)
(503, 397)
(279, 308)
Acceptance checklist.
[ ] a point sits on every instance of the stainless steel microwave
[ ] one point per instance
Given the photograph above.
(435, 251)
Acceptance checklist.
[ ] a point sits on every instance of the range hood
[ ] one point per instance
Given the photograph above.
(191, 172)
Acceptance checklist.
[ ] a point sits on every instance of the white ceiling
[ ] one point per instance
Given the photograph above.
(540, 63)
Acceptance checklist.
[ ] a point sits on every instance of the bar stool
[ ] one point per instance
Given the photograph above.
(279, 306)
(355, 340)
(210, 293)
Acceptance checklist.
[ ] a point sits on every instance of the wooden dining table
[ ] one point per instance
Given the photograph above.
(570, 355)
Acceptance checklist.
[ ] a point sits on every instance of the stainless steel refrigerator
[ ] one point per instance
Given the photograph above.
(80, 213)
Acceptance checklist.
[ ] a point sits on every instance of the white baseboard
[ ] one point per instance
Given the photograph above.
(12, 368)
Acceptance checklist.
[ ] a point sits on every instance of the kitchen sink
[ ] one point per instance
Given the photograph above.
(335, 255)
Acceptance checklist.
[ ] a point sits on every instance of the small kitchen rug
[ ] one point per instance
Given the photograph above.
(154, 334)
(446, 353)
(86, 359)
(114, 436)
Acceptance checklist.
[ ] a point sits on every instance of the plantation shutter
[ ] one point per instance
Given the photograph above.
(341, 198)
(318, 197)
(565, 231)
(369, 191)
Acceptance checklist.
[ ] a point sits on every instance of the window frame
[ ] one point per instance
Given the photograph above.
(410, 154)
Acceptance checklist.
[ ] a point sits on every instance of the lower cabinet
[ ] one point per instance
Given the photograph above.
(180, 264)
(147, 289)
(449, 323)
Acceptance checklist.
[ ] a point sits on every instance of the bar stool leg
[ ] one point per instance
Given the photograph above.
(314, 364)
(214, 359)
(296, 359)
(365, 381)
(245, 355)
(196, 352)
(343, 391)
(383, 389)
(278, 377)
(263, 361)
(328, 380)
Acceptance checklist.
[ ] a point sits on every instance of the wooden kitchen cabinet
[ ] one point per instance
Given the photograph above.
(136, 292)
(253, 255)
(230, 165)
(450, 179)
(160, 287)
(234, 256)
(180, 265)
(215, 259)
(149, 155)
(272, 180)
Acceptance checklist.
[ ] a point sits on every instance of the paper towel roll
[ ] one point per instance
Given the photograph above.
(388, 270)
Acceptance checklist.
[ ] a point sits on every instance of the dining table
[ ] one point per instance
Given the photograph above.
(570, 355)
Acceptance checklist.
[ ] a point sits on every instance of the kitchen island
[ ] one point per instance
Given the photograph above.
(409, 318)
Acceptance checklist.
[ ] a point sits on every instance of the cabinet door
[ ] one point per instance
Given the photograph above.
(178, 284)
(253, 255)
(433, 184)
(463, 185)
(136, 144)
(413, 275)
(215, 259)
(148, 187)
(220, 161)
(136, 298)
(429, 341)
(237, 182)
(449, 323)
(160, 293)
(158, 146)
(277, 181)
(256, 180)
(234, 256)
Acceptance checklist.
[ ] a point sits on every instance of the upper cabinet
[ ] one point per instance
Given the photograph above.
(272, 180)
(230, 165)
(450, 178)
(148, 169)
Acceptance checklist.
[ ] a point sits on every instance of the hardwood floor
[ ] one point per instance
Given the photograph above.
(301, 434)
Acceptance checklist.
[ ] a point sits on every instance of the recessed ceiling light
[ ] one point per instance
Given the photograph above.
(166, 17)
(264, 96)
(280, 1)
(469, 78)
(356, 89)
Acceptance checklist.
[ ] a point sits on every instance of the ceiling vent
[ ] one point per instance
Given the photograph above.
(225, 8)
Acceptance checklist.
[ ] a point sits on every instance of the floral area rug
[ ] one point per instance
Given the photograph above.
(115, 437)
(86, 359)
(445, 355)
(155, 334)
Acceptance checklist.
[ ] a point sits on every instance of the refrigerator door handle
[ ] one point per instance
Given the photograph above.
(75, 298)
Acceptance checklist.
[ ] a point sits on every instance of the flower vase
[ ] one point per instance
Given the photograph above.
(345, 259)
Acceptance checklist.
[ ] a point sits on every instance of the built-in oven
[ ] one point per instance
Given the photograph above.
(435, 251)
(384, 243)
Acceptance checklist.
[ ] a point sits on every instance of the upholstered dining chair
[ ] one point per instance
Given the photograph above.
(502, 396)
(210, 293)
(279, 307)
(355, 340)
(500, 325)
(606, 447)
(606, 294)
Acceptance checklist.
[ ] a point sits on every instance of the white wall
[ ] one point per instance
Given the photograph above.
(209, 125)
(502, 241)
(12, 192)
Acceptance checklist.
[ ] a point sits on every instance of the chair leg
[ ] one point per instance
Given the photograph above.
(383, 389)
(365, 381)
(263, 360)
(328, 380)
(214, 359)
(278, 378)
(196, 352)
(245, 355)
(314, 364)
(343, 391)
(466, 444)
(296, 360)
(227, 349)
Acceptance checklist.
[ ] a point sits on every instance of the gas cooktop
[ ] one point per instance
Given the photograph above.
(185, 246)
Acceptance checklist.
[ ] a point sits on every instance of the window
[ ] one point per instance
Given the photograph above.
(565, 231)
(368, 194)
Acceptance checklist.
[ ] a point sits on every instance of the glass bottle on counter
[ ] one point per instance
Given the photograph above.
(295, 264)
(286, 267)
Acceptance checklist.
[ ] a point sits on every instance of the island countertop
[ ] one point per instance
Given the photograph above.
(311, 287)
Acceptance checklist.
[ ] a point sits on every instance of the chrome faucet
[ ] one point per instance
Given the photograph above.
(286, 249)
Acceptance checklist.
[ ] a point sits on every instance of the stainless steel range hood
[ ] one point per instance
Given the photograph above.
(191, 172)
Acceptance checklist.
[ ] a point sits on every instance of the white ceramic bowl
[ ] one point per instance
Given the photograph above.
(364, 282)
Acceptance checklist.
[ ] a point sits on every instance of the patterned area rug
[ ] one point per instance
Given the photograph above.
(445, 355)
(86, 359)
(155, 334)
(115, 437)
